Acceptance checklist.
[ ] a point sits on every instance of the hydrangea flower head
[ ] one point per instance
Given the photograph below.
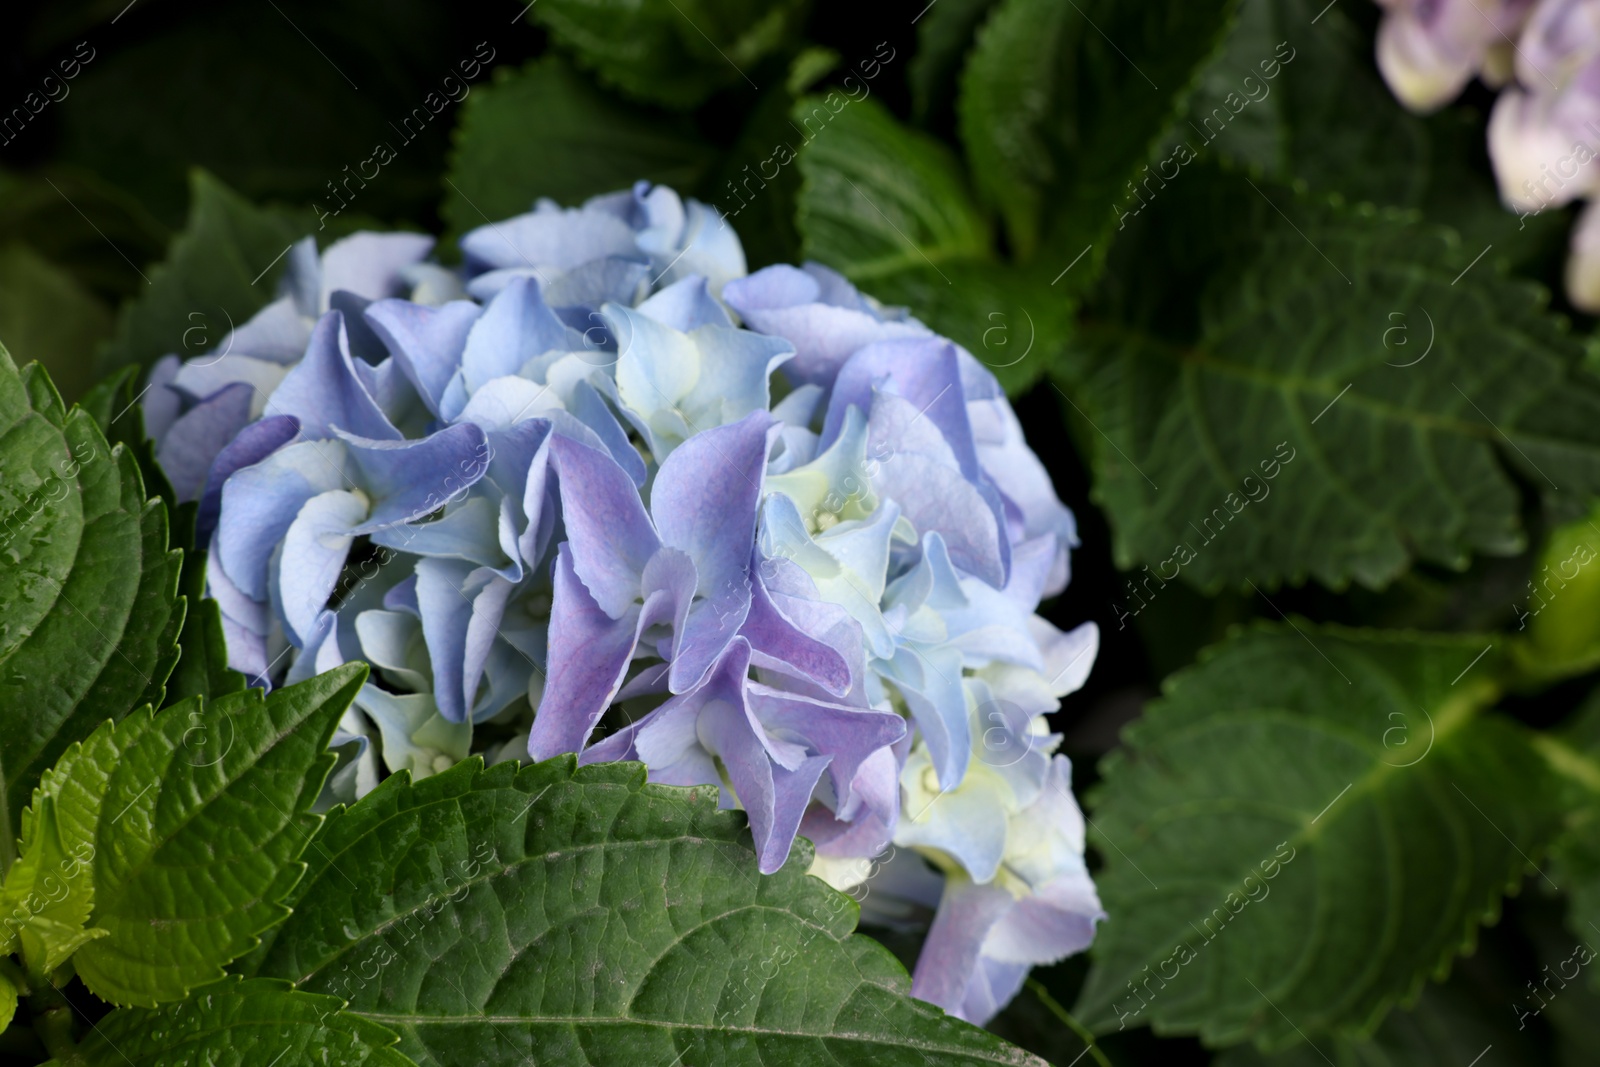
(599, 492)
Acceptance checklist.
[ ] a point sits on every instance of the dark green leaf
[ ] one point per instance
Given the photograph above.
(944, 37)
(95, 232)
(1353, 373)
(889, 207)
(544, 130)
(219, 271)
(1449, 1027)
(88, 587)
(564, 915)
(259, 1023)
(1061, 104)
(1306, 826)
(46, 313)
(672, 52)
(280, 101)
(1307, 104)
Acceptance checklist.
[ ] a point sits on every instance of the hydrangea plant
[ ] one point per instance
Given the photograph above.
(600, 491)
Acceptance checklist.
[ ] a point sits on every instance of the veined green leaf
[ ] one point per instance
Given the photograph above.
(1061, 105)
(191, 822)
(1274, 388)
(258, 1023)
(557, 914)
(672, 52)
(89, 612)
(1305, 827)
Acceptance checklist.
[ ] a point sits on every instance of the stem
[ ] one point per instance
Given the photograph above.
(1569, 762)
(1054, 1007)
(52, 1021)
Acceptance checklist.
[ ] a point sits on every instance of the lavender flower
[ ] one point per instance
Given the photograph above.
(600, 493)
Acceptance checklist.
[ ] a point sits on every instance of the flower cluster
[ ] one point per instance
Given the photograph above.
(1544, 133)
(599, 491)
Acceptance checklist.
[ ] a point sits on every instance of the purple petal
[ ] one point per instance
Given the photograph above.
(410, 479)
(427, 342)
(461, 608)
(260, 501)
(610, 537)
(589, 655)
(161, 402)
(253, 444)
(245, 623)
(278, 333)
(323, 391)
(950, 955)
(786, 302)
(515, 327)
(198, 435)
(926, 373)
(848, 735)
(685, 305)
(705, 496)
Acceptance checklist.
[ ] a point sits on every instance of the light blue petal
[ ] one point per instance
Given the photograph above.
(314, 551)
(261, 501)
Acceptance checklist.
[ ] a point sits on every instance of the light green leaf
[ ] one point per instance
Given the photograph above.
(672, 52)
(1274, 388)
(219, 271)
(258, 1023)
(1061, 105)
(195, 819)
(1305, 827)
(564, 915)
(544, 130)
(8, 1000)
(89, 612)
(48, 894)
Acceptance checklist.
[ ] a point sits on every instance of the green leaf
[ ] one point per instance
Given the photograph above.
(48, 895)
(195, 819)
(1305, 827)
(1274, 388)
(880, 199)
(1558, 610)
(1448, 1027)
(544, 131)
(560, 915)
(47, 314)
(889, 207)
(259, 1023)
(89, 612)
(672, 52)
(1061, 104)
(944, 37)
(1308, 105)
(8, 1000)
(278, 104)
(219, 271)
(92, 230)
